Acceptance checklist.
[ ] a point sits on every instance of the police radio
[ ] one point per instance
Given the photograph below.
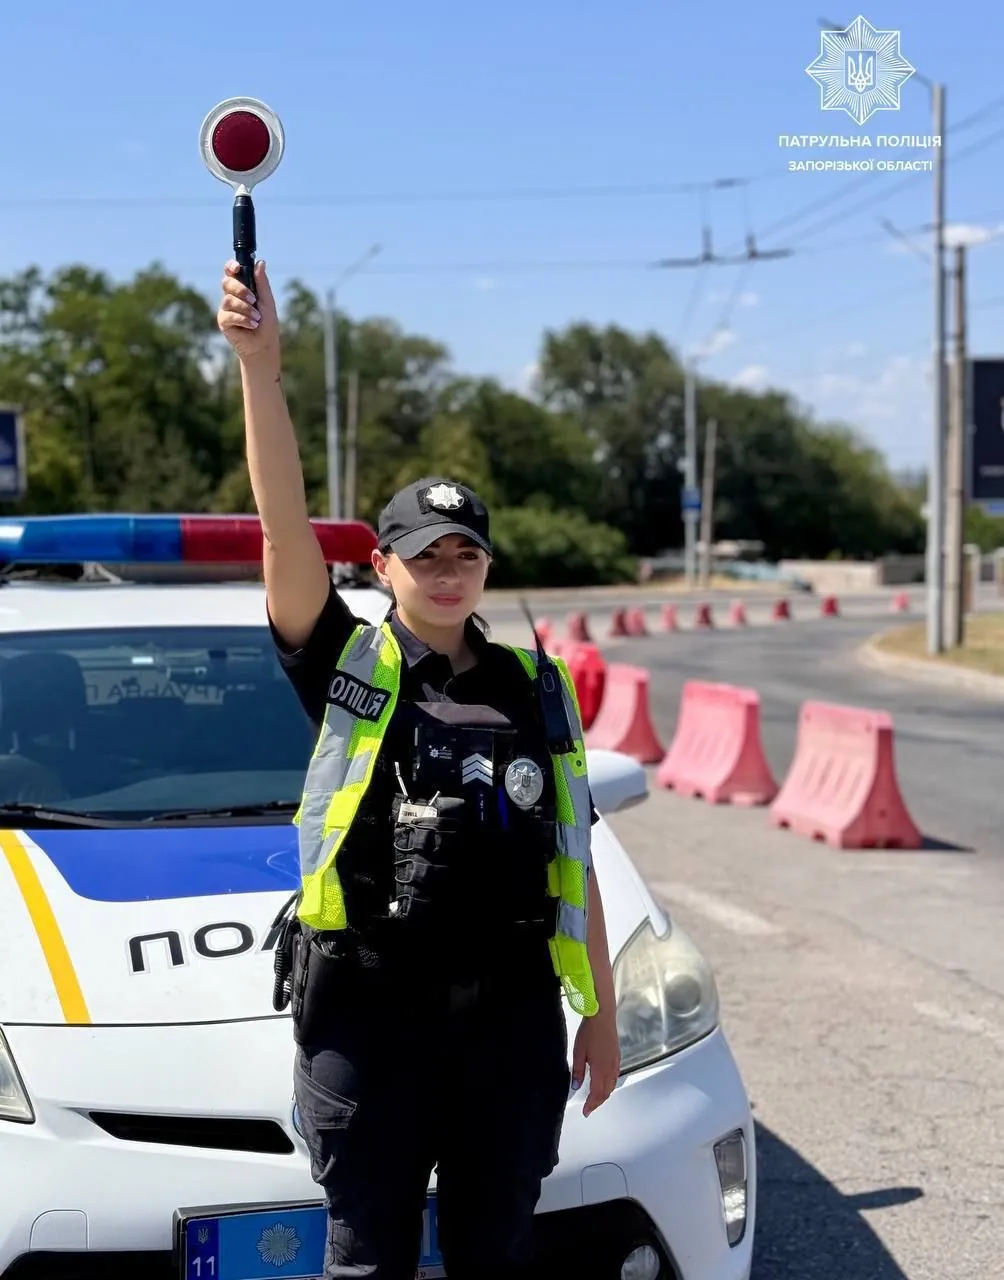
(550, 696)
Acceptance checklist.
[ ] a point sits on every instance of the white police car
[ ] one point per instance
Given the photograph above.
(151, 757)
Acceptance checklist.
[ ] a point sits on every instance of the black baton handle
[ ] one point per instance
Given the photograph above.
(245, 241)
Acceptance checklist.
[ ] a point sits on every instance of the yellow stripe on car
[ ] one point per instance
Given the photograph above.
(50, 937)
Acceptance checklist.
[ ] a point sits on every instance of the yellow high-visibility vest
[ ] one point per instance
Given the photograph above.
(362, 697)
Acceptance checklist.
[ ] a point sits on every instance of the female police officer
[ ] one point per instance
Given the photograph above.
(447, 894)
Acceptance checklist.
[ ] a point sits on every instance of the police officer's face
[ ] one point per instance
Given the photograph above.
(442, 585)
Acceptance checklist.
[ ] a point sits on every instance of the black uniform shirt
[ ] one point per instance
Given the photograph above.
(365, 860)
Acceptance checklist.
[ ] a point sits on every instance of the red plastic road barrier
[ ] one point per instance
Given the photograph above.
(901, 603)
(702, 618)
(618, 623)
(588, 672)
(635, 622)
(830, 608)
(842, 785)
(782, 609)
(578, 629)
(624, 722)
(737, 614)
(717, 752)
(669, 618)
(546, 631)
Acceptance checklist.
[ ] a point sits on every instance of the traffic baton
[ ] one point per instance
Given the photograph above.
(242, 142)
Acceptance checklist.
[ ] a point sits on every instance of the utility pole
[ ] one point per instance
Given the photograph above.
(352, 449)
(333, 445)
(936, 479)
(955, 469)
(691, 496)
(708, 500)
(332, 436)
(690, 513)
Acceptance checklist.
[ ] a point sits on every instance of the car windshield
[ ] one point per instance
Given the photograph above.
(134, 722)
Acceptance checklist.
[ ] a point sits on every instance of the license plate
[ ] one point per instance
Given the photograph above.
(269, 1242)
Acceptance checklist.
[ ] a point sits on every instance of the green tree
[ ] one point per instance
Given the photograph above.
(118, 408)
(626, 393)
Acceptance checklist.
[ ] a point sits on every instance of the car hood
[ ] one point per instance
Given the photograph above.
(173, 925)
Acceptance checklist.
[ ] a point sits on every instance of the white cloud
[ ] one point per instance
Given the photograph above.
(719, 341)
(889, 404)
(526, 380)
(751, 378)
(956, 233)
(961, 233)
(485, 283)
(856, 350)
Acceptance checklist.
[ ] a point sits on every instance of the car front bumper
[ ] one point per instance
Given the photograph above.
(84, 1197)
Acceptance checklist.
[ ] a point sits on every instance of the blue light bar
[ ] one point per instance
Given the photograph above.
(164, 539)
(73, 539)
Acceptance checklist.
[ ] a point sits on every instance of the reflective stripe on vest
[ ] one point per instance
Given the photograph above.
(361, 701)
(569, 872)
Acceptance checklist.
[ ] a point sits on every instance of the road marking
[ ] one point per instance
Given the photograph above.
(718, 910)
(50, 936)
(960, 1021)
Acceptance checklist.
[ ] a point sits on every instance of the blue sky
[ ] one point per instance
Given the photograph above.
(423, 127)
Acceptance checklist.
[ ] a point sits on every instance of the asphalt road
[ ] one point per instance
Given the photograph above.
(862, 992)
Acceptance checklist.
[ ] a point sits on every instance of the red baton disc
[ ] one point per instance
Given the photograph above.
(241, 141)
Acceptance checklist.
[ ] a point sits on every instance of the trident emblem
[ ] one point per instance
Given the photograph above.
(203, 1235)
(861, 75)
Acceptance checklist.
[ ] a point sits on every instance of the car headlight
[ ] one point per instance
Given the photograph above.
(14, 1104)
(667, 997)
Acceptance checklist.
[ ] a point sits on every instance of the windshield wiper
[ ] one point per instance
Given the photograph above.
(21, 813)
(226, 811)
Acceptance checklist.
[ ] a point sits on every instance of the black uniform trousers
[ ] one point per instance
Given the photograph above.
(474, 1084)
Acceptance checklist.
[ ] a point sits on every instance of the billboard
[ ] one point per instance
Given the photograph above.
(985, 464)
(13, 472)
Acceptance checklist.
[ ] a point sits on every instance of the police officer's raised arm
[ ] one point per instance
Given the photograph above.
(296, 577)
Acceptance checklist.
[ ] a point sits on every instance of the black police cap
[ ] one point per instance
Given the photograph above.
(432, 508)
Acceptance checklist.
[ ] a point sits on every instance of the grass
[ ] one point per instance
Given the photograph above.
(982, 648)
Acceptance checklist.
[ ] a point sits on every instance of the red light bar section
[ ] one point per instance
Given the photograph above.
(238, 540)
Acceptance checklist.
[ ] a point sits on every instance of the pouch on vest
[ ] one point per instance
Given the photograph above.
(435, 873)
(322, 977)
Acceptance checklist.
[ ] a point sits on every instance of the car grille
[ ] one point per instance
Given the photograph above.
(92, 1266)
(215, 1132)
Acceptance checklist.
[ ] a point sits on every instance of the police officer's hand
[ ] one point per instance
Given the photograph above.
(597, 1046)
(249, 323)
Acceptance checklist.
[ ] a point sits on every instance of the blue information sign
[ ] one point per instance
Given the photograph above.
(690, 499)
(13, 474)
(281, 1243)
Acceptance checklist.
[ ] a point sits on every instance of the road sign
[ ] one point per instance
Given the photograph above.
(985, 470)
(13, 471)
(690, 501)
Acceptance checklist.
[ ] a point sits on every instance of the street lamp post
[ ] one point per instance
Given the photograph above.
(333, 443)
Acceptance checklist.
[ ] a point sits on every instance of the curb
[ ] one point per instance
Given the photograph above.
(948, 676)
